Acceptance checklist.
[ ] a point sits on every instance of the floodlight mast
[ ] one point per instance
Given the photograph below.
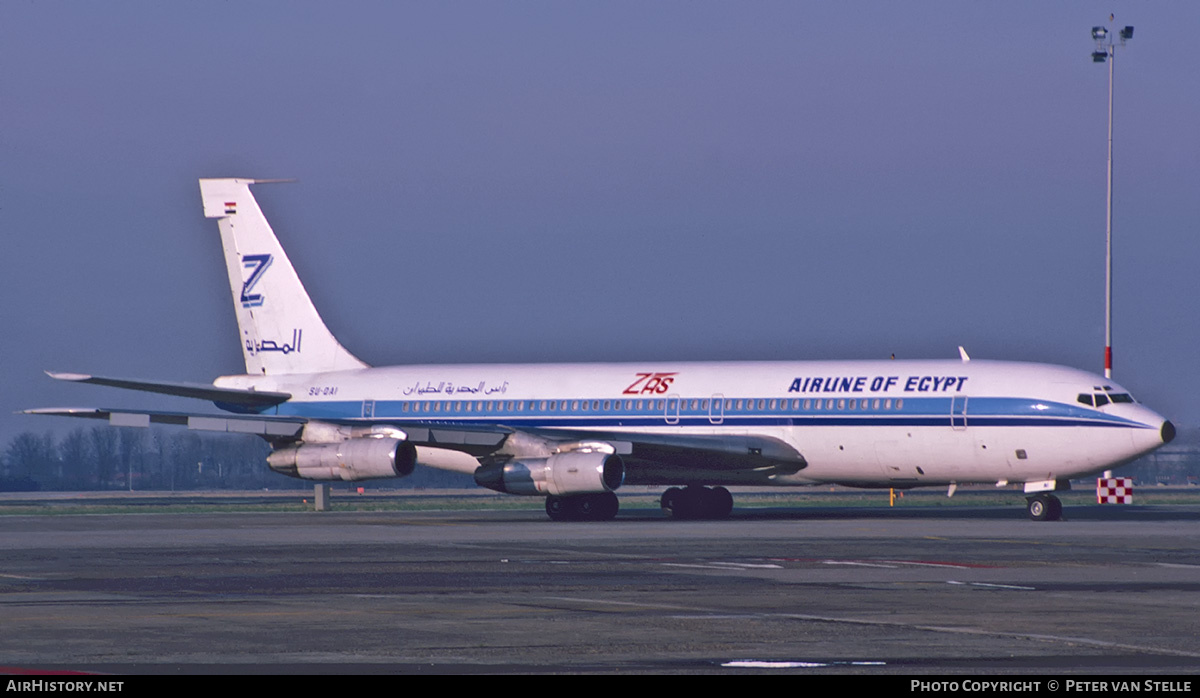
(1106, 50)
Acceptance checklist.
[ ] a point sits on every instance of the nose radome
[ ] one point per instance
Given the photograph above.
(1167, 432)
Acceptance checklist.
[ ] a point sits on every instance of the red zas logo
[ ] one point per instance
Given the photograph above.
(650, 383)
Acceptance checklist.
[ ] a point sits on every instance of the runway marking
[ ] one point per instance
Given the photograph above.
(703, 565)
(850, 563)
(993, 586)
(21, 576)
(1177, 565)
(631, 604)
(758, 664)
(720, 565)
(955, 565)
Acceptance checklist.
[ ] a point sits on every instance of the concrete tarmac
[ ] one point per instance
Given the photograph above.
(959, 590)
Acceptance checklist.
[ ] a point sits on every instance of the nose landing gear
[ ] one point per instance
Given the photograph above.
(1044, 507)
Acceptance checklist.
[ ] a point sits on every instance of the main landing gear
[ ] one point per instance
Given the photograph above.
(697, 502)
(1044, 507)
(601, 506)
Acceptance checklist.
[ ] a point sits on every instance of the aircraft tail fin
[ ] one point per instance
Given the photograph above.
(281, 331)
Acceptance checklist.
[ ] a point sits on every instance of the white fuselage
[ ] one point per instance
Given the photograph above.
(880, 423)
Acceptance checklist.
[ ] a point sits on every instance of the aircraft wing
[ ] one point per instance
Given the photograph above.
(229, 396)
(477, 440)
(263, 425)
(696, 451)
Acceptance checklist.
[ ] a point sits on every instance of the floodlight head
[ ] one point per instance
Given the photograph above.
(1099, 33)
(1126, 33)
(1099, 56)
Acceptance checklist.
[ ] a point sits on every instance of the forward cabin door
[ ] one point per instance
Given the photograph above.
(958, 412)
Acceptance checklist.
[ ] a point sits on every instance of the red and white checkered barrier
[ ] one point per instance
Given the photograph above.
(1114, 490)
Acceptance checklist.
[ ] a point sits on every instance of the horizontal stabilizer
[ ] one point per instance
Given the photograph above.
(231, 396)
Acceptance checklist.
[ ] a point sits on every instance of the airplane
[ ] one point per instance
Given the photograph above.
(575, 433)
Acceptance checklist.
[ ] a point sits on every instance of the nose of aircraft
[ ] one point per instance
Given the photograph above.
(1167, 432)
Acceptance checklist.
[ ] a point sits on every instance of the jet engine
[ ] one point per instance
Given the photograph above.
(575, 472)
(352, 459)
(364, 458)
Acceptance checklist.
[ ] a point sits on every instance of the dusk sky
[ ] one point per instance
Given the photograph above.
(609, 181)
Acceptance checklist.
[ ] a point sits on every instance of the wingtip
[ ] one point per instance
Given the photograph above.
(64, 376)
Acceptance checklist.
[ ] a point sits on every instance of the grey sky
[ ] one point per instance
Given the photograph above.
(557, 181)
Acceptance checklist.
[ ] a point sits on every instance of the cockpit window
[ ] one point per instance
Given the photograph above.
(1104, 396)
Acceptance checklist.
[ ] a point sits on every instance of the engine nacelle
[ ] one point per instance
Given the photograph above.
(365, 458)
(576, 472)
(352, 459)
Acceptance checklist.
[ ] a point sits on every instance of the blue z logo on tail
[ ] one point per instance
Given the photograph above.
(258, 263)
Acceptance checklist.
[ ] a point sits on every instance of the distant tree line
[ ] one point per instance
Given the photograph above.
(121, 458)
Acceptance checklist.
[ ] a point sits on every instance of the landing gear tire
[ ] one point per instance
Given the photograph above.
(718, 503)
(697, 502)
(1044, 507)
(558, 508)
(670, 500)
(599, 506)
